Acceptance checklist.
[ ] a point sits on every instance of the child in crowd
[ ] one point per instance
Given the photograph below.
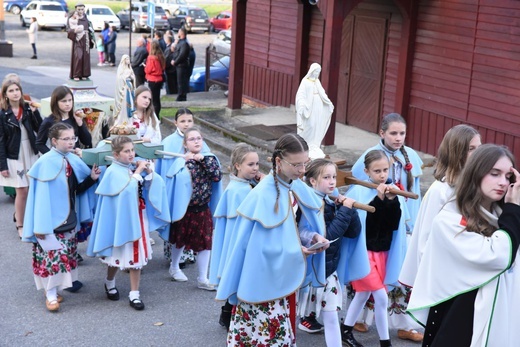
(78, 29)
(128, 207)
(144, 118)
(19, 123)
(456, 147)
(62, 110)
(342, 221)
(268, 263)
(244, 176)
(100, 45)
(385, 242)
(466, 290)
(193, 185)
(51, 218)
(405, 172)
(174, 144)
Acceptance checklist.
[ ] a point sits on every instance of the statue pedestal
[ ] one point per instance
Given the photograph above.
(85, 96)
(6, 49)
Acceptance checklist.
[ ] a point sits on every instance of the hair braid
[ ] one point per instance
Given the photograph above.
(273, 159)
(409, 177)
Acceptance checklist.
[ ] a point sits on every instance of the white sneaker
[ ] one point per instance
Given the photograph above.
(178, 276)
(152, 241)
(100, 64)
(206, 285)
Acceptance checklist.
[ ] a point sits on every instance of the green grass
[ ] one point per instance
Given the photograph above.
(116, 6)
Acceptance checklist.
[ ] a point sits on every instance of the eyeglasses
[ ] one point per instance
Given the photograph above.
(69, 139)
(298, 166)
(193, 139)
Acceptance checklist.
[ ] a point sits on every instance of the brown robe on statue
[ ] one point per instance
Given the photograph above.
(80, 56)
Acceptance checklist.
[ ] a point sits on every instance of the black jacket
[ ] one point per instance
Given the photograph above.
(181, 54)
(138, 59)
(11, 134)
(85, 138)
(381, 224)
(340, 221)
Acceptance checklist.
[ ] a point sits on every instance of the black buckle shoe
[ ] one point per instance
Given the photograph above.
(136, 304)
(112, 296)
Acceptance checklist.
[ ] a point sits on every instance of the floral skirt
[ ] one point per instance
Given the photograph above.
(265, 324)
(57, 268)
(187, 254)
(131, 255)
(194, 231)
(328, 298)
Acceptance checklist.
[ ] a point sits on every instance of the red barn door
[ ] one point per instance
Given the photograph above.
(361, 70)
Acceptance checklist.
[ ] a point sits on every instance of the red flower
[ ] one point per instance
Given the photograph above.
(136, 125)
(64, 259)
(408, 167)
(245, 316)
(51, 254)
(44, 273)
(55, 267)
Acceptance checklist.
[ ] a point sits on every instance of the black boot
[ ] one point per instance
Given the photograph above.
(385, 343)
(347, 337)
(225, 315)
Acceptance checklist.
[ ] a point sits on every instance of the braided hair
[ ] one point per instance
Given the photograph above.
(287, 144)
(385, 123)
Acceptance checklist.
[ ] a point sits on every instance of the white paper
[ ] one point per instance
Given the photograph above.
(318, 245)
(50, 243)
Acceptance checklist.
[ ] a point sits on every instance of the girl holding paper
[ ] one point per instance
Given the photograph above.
(50, 221)
(342, 221)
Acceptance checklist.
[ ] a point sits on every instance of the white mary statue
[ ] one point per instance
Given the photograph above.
(125, 87)
(313, 111)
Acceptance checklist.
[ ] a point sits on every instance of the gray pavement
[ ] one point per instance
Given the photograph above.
(176, 314)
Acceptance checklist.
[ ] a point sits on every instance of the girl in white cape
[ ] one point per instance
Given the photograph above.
(464, 293)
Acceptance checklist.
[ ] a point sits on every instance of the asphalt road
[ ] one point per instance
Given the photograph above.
(176, 314)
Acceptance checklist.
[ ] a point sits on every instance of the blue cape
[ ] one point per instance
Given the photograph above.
(174, 144)
(360, 267)
(116, 219)
(412, 205)
(179, 189)
(267, 261)
(48, 197)
(225, 217)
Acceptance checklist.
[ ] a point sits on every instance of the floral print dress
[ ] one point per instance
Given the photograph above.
(261, 325)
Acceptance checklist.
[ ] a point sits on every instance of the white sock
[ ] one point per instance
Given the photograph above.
(381, 313)
(176, 254)
(355, 308)
(52, 294)
(203, 264)
(134, 294)
(332, 330)
(111, 285)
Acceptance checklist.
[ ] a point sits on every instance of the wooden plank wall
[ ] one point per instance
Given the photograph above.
(269, 51)
(466, 69)
(316, 37)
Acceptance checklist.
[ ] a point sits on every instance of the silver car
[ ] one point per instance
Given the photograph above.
(140, 17)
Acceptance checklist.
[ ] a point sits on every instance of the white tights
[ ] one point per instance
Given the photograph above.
(332, 330)
(202, 261)
(380, 310)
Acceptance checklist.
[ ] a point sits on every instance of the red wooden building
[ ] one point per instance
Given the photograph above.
(437, 62)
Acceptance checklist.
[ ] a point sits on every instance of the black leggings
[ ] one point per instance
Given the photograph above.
(155, 88)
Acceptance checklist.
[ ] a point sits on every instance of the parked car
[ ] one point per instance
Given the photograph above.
(191, 18)
(98, 15)
(221, 21)
(222, 43)
(140, 16)
(170, 5)
(49, 14)
(218, 71)
(15, 6)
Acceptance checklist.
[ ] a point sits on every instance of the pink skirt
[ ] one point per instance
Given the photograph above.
(375, 279)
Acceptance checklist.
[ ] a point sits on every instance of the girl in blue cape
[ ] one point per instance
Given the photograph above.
(342, 221)
(128, 207)
(193, 185)
(244, 177)
(385, 234)
(57, 201)
(270, 259)
(405, 172)
(174, 143)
